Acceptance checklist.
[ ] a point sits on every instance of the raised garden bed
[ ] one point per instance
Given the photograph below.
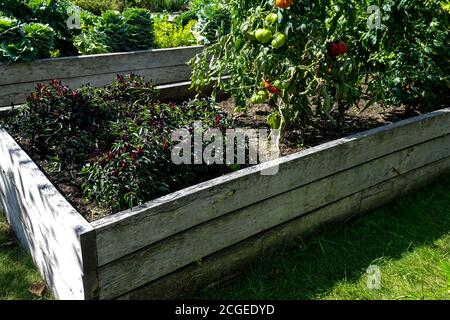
(201, 234)
(166, 68)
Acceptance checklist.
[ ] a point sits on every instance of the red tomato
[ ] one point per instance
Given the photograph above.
(342, 47)
(333, 49)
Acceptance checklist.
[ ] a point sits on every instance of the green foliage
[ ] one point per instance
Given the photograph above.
(185, 17)
(214, 20)
(169, 35)
(116, 32)
(99, 6)
(157, 5)
(139, 29)
(45, 22)
(407, 62)
(115, 140)
(41, 37)
(91, 43)
(14, 46)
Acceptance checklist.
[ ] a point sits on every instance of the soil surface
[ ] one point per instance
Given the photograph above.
(321, 130)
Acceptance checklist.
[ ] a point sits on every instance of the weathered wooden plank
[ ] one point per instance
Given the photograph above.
(17, 93)
(81, 66)
(184, 248)
(44, 222)
(182, 210)
(233, 260)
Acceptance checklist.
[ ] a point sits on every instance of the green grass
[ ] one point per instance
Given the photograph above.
(17, 272)
(409, 240)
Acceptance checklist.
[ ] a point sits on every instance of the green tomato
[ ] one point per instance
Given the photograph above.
(258, 98)
(281, 84)
(263, 35)
(279, 40)
(272, 18)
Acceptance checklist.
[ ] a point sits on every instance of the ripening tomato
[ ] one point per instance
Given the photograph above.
(342, 47)
(263, 35)
(272, 18)
(284, 4)
(258, 98)
(280, 84)
(279, 40)
(333, 49)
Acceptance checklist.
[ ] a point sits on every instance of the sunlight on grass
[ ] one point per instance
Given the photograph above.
(408, 240)
(17, 272)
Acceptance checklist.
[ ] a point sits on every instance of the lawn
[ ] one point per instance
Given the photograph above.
(17, 274)
(408, 240)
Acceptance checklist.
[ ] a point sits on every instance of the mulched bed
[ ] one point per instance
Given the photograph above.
(321, 130)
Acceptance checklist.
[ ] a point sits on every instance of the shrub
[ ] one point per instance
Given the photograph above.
(114, 140)
(115, 32)
(139, 24)
(168, 34)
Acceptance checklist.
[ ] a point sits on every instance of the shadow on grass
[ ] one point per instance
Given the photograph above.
(17, 272)
(313, 268)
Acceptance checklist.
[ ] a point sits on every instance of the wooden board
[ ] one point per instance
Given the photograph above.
(46, 224)
(161, 66)
(185, 209)
(233, 260)
(82, 66)
(205, 239)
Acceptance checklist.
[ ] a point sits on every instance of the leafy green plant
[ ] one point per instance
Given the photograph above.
(116, 32)
(168, 34)
(213, 21)
(306, 57)
(13, 44)
(139, 24)
(41, 37)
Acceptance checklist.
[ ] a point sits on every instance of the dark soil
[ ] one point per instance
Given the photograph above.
(321, 130)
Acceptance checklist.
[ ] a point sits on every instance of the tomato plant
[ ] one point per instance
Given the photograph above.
(323, 56)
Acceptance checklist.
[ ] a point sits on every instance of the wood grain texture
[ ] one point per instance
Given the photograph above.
(233, 260)
(184, 248)
(161, 66)
(44, 222)
(187, 208)
(89, 65)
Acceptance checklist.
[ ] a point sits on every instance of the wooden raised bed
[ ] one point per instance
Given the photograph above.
(153, 251)
(164, 67)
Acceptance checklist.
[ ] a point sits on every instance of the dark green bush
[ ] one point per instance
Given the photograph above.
(139, 34)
